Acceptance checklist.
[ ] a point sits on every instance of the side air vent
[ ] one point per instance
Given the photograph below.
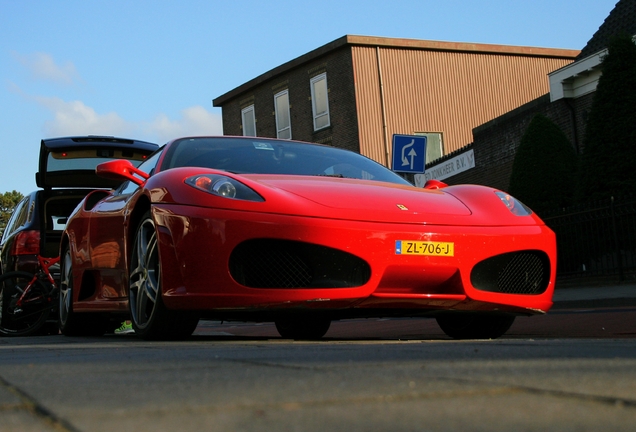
(270, 263)
(524, 272)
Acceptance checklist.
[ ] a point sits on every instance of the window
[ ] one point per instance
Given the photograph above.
(319, 101)
(271, 156)
(249, 121)
(434, 145)
(283, 122)
(87, 158)
(17, 219)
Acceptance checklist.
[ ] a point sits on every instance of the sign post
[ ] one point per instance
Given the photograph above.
(409, 153)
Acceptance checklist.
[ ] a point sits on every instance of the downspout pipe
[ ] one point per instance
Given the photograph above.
(382, 106)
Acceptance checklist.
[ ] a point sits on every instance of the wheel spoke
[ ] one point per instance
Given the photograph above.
(66, 296)
(66, 301)
(152, 282)
(140, 310)
(136, 278)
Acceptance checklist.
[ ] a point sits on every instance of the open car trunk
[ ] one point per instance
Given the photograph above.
(70, 162)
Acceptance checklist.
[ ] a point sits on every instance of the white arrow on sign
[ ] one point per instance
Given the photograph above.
(412, 153)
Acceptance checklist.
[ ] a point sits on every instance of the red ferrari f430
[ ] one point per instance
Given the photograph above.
(257, 229)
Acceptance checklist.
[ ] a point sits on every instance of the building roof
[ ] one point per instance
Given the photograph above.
(581, 77)
(352, 40)
(622, 19)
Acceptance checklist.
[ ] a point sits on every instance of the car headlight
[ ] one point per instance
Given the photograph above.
(515, 206)
(223, 186)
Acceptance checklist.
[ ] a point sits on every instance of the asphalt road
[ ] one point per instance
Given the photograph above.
(573, 369)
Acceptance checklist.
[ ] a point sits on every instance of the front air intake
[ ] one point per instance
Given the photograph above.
(523, 272)
(270, 263)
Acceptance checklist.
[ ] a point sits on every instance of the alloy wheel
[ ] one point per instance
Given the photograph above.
(145, 275)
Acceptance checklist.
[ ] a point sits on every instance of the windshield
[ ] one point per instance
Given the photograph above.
(265, 156)
(88, 159)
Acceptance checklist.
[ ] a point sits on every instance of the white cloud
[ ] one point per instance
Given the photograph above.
(43, 66)
(195, 120)
(76, 118)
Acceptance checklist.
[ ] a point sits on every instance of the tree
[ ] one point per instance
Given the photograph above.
(544, 169)
(608, 166)
(8, 201)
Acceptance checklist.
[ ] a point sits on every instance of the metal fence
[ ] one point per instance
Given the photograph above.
(596, 240)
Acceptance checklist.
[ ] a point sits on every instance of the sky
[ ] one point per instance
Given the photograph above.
(149, 69)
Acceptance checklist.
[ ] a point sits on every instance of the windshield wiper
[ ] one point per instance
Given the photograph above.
(331, 175)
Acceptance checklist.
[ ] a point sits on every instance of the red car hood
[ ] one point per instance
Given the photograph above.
(366, 200)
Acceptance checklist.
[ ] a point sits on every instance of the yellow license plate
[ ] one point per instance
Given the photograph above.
(430, 248)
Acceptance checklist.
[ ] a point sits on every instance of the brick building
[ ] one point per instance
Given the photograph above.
(567, 104)
(357, 91)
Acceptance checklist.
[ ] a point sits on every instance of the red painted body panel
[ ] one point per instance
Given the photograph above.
(345, 199)
(99, 244)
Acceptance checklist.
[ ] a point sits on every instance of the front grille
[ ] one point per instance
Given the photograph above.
(269, 263)
(524, 272)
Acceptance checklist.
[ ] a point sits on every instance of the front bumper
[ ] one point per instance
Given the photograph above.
(196, 245)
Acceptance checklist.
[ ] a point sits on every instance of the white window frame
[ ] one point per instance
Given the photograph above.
(244, 120)
(432, 137)
(320, 116)
(283, 131)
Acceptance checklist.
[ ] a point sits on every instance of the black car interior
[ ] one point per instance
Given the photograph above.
(57, 209)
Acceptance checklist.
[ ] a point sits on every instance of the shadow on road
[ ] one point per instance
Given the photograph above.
(603, 323)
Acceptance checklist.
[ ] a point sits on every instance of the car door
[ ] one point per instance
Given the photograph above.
(107, 229)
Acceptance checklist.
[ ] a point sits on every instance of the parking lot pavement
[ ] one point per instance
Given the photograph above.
(574, 365)
(18, 412)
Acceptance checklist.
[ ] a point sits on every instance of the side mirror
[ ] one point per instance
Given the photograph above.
(121, 169)
(434, 184)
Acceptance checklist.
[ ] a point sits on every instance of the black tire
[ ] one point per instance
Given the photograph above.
(72, 323)
(302, 328)
(150, 317)
(31, 316)
(475, 326)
